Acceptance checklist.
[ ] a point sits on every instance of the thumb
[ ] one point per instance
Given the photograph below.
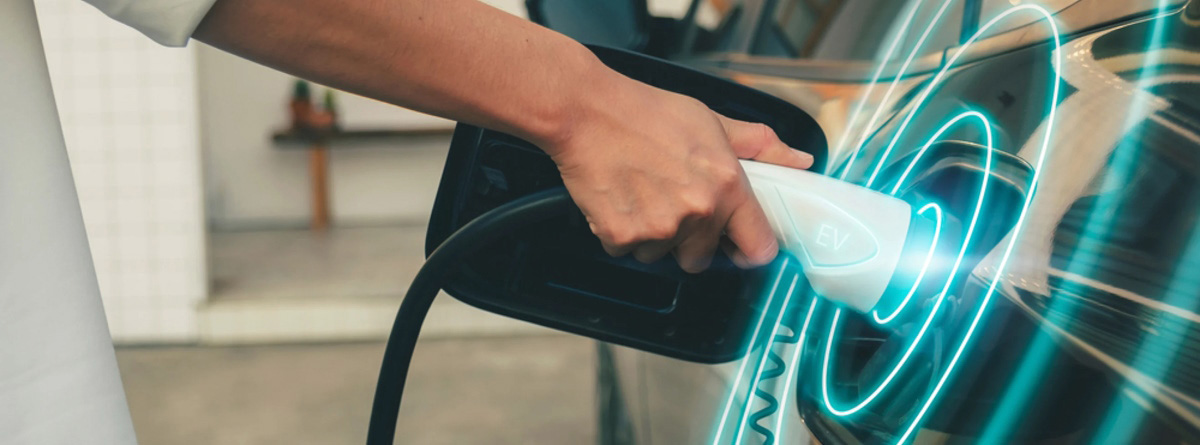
(759, 142)
(752, 243)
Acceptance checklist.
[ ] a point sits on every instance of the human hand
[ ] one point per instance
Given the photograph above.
(655, 172)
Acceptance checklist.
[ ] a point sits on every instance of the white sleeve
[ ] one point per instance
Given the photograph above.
(169, 22)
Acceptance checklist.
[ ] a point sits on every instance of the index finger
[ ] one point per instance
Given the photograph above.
(760, 143)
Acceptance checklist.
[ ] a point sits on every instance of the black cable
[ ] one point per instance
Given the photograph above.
(397, 356)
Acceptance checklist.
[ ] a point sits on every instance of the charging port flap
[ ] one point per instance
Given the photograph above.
(556, 274)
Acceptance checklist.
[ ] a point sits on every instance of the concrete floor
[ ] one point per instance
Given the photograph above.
(521, 390)
(344, 284)
(342, 262)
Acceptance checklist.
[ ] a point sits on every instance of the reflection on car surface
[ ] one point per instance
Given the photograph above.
(1092, 333)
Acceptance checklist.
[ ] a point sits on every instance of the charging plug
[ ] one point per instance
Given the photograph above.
(850, 240)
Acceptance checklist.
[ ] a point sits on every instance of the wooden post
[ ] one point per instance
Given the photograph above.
(318, 169)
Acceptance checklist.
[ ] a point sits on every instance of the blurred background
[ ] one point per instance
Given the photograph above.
(250, 274)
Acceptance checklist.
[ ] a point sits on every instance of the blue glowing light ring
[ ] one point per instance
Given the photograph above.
(941, 296)
(923, 97)
(1016, 230)
(1008, 250)
(937, 230)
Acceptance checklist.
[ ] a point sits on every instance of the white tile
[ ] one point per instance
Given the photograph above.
(125, 99)
(85, 99)
(114, 88)
(129, 210)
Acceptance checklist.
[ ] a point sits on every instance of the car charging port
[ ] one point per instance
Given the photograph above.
(866, 351)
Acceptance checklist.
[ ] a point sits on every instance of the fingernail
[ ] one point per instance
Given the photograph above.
(764, 256)
(805, 158)
(695, 266)
(769, 254)
(739, 259)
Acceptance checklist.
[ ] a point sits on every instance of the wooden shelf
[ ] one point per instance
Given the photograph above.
(290, 139)
(318, 143)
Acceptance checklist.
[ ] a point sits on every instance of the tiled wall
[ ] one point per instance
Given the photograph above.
(129, 114)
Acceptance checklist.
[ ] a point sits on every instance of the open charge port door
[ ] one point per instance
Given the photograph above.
(556, 274)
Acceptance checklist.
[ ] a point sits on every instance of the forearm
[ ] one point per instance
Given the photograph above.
(653, 171)
(460, 59)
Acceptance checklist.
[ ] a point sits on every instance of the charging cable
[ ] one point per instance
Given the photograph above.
(402, 342)
(849, 251)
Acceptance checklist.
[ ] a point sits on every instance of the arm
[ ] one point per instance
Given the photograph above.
(654, 172)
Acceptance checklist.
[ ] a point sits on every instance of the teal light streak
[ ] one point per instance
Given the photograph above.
(1120, 425)
(985, 125)
(858, 109)
(791, 375)
(737, 380)
(1036, 357)
(762, 361)
(1057, 54)
(912, 55)
(937, 234)
(941, 296)
(937, 79)
(924, 96)
(1122, 421)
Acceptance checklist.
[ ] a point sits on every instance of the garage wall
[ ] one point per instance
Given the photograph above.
(128, 109)
(251, 184)
(130, 117)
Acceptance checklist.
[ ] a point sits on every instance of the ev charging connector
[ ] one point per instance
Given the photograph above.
(850, 240)
(505, 237)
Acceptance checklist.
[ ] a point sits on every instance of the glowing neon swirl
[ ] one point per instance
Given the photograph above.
(937, 230)
(1037, 355)
(926, 92)
(895, 79)
(941, 296)
(737, 381)
(1020, 222)
(791, 375)
(741, 429)
(1049, 18)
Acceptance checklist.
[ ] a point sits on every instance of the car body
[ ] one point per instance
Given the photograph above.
(1079, 298)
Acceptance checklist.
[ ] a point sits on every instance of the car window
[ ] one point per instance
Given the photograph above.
(861, 29)
(819, 29)
(856, 29)
(718, 22)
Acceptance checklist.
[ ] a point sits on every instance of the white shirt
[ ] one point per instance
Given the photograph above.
(169, 22)
(59, 382)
